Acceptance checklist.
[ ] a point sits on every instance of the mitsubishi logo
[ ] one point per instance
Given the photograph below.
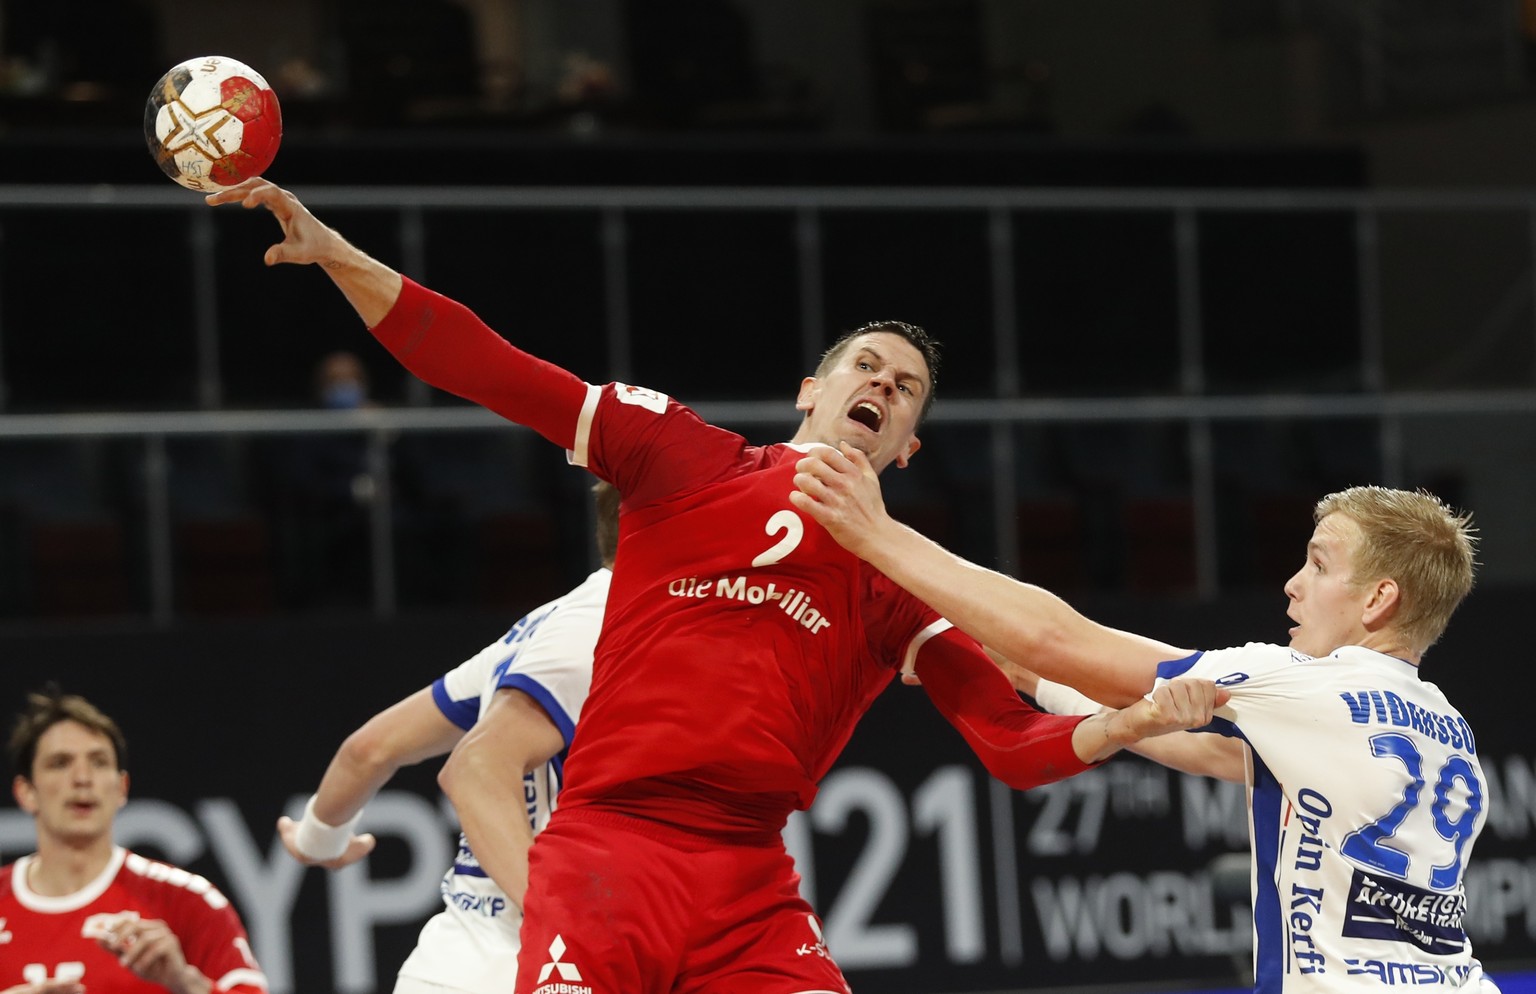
(567, 971)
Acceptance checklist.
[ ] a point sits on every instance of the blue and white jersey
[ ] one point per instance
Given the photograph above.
(471, 945)
(1366, 796)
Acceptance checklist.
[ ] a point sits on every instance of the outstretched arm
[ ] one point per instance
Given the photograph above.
(369, 286)
(484, 779)
(403, 734)
(841, 491)
(438, 339)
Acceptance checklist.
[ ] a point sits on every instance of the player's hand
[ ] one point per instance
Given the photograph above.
(357, 847)
(305, 239)
(149, 949)
(839, 489)
(1175, 706)
(49, 986)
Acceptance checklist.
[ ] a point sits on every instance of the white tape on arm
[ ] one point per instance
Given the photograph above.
(320, 841)
(1058, 698)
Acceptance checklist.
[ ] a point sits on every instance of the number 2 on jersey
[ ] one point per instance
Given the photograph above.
(1368, 846)
(37, 973)
(789, 523)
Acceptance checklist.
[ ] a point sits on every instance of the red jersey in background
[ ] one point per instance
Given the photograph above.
(55, 937)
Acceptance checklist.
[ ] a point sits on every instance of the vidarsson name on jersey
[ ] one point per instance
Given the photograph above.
(1387, 708)
(795, 603)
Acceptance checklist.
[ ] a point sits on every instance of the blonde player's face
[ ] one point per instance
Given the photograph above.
(76, 787)
(1328, 612)
(871, 399)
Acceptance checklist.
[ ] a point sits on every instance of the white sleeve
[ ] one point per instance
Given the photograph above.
(554, 664)
(457, 692)
(1058, 698)
(1261, 676)
(1215, 664)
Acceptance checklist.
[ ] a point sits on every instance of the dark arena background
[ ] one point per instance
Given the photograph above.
(1195, 263)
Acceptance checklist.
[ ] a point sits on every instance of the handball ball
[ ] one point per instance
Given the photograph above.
(212, 122)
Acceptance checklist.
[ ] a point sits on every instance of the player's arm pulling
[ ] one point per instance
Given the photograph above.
(841, 491)
(1202, 755)
(407, 732)
(1175, 706)
(1024, 748)
(484, 778)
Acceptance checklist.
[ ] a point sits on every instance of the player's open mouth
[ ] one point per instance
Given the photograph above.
(867, 414)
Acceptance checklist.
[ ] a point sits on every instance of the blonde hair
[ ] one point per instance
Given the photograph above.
(1416, 540)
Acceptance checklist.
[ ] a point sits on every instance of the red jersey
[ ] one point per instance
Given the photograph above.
(741, 643)
(55, 937)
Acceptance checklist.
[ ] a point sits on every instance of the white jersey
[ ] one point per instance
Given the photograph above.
(1366, 796)
(471, 945)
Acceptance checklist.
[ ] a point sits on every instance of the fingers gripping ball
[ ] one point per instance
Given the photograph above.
(212, 122)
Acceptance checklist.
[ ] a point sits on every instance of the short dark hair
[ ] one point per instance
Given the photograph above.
(927, 346)
(605, 503)
(46, 708)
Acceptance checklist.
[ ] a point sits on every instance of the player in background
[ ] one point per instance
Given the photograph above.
(83, 914)
(1364, 785)
(739, 649)
(507, 713)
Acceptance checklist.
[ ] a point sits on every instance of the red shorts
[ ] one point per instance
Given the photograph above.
(620, 906)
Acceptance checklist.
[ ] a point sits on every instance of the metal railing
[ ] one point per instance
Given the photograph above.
(1000, 415)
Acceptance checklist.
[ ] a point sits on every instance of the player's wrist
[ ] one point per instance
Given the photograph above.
(886, 544)
(1091, 738)
(319, 841)
(1121, 729)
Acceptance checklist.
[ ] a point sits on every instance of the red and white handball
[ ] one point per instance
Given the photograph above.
(212, 122)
